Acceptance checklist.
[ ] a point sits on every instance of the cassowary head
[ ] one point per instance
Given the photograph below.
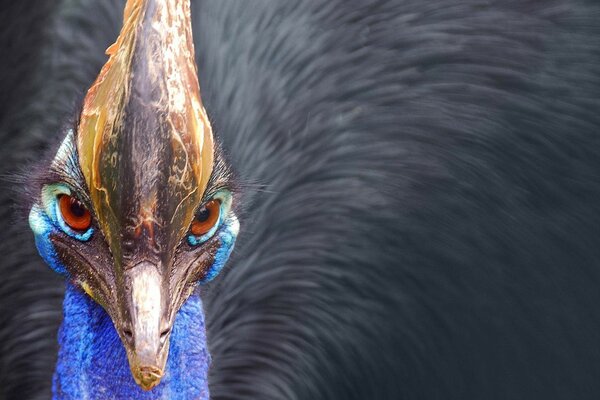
(136, 206)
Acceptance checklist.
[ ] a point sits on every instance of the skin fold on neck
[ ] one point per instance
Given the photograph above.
(92, 363)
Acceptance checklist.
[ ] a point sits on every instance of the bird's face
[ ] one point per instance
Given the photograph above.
(136, 207)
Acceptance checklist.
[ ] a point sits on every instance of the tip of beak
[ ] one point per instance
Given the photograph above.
(148, 377)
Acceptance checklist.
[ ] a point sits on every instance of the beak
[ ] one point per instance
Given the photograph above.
(146, 338)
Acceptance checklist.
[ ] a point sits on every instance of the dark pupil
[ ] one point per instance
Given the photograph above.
(77, 208)
(203, 214)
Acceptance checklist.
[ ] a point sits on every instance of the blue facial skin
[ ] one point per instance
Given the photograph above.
(92, 363)
(227, 238)
(42, 226)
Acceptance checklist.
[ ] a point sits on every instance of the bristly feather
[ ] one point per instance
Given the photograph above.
(429, 221)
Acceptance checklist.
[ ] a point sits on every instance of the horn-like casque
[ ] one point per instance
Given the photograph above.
(143, 129)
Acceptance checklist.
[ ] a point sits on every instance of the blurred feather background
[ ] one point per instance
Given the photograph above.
(421, 193)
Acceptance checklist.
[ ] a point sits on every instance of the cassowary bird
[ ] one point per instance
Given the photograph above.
(417, 185)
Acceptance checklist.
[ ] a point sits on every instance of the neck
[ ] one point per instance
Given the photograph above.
(92, 363)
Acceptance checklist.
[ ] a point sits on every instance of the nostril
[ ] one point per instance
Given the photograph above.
(163, 334)
(128, 333)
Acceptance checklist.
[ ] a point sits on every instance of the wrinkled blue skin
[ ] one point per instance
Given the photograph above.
(92, 363)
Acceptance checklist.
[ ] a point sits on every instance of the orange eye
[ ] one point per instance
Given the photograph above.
(74, 213)
(206, 218)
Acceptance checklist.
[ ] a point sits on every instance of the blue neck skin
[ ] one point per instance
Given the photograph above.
(92, 363)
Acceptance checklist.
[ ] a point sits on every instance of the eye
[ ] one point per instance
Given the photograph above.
(75, 215)
(206, 218)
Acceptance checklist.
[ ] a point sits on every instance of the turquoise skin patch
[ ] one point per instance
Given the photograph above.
(42, 227)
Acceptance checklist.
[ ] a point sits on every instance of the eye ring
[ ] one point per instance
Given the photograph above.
(205, 222)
